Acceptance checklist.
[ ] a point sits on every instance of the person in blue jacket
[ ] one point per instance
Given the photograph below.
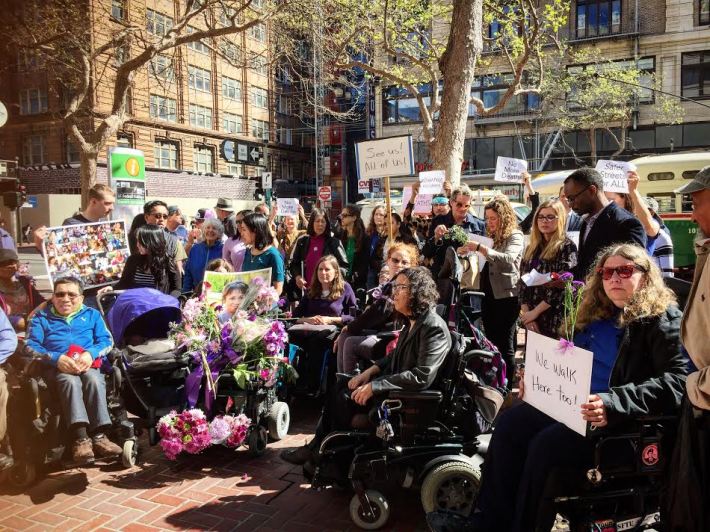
(71, 338)
(8, 344)
(202, 253)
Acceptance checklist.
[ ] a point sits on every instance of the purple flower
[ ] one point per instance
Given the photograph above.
(281, 302)
(566, 276)
(577, 284)
(566, 346)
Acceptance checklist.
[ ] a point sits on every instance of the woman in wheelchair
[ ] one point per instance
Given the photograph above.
(630, 321)
(421, 350)
(70, 338)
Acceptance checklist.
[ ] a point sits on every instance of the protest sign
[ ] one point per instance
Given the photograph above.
(510, 170)
(214, 282)
(287, 206)
(406, 197)
(388, 157)
(557, 381)
(615, 175)
(95, 252)
(432, 181)
(422, 205)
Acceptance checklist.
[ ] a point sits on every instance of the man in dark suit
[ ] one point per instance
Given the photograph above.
(605, 223)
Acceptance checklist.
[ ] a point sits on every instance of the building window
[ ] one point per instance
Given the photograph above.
(230, 51)
(260, 65)
(29, 60)
(123, 53)
(258, 32)
(118, 9)
(33, 101)
(695, 74)
(163, 108)
(260, 129)
(597, 18)
(259, 97)
(197, 46)
(200, 116)
(704, 12)
(73, 152)
(283, 105)
(199, 78)
(235, 169)
(33, 150)
(157, 23)
(165, 154)
(231, 123)
(231, 88)
(284, 136)
(161, 67)
(124, 140)
(203, 158)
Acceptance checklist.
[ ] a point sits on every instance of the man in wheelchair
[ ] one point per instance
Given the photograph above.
(630, 321)
(421, 349)
(70, 339)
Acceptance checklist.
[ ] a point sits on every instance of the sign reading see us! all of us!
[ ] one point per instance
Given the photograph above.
(388, 157)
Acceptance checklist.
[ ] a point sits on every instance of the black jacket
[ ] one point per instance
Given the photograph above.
(613, 226)
(361, 263)
(420, 352)
(648, 376)
(171, 283)
(332, 246)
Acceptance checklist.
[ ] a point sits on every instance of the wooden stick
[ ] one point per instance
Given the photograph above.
(389, 208)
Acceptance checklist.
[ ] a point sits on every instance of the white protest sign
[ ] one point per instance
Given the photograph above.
(406, 197)
(287, 206)
(557, 382)
(510, 170)
(432, 181)
(486, 241)
(422, 205)
(391, 157)
(615, 175)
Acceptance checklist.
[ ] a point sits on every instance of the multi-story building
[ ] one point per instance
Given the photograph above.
(181, 106)
(670, 38)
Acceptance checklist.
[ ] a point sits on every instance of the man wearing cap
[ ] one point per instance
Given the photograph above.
(174, 224)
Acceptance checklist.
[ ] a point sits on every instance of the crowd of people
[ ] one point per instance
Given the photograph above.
(348, 279)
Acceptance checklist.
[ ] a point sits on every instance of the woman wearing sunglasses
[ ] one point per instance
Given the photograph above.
(549, 251)
(630, 321)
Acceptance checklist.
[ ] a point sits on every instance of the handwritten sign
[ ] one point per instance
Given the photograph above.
(391, 157)
(557, 382)
(432, 181)
(615, 175)
(287, 206)
(406, 197)
(422, 205)
(510, 170)
(214, 282)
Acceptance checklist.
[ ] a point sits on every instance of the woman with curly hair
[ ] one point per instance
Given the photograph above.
(499, 277)
(421, 349)
(549, 251)
(630, 321)
(152, 266)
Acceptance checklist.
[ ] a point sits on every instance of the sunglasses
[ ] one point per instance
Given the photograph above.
(547, 218)
(624, 272)
(160, 215)
(70, 295)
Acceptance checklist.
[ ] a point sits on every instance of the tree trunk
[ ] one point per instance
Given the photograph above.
(87, 174)
(458, 65)
(593, 145)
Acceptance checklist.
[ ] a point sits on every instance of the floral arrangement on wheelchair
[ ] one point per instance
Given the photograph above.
(246, 350)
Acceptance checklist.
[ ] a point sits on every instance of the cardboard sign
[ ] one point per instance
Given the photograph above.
(422, 205)
(557, 382)
(214, 282)
(391, 157)
(95, 253)
(287, 206)
(510, 170)
(615, 174)
(432, 181)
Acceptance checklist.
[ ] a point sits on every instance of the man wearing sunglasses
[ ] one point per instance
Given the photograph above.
(156, 212)
(604, 224)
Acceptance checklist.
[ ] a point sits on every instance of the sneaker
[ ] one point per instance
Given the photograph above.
(82, 451)
(104, 448)
(298, 456)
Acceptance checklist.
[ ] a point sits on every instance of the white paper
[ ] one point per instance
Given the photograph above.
(406, 197)
(557, 382)
(486, 241)
(431, 181)
(615, 174)
(574, 237)
(422, 205)
(510, 170)
(287, 206)
(392, 156)
(535, 278)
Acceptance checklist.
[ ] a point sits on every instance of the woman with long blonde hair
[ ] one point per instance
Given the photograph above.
(549, 251)
(630, 322)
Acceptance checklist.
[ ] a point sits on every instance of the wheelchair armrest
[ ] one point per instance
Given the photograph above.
(476, 353)
(422, 394)
(387, 335)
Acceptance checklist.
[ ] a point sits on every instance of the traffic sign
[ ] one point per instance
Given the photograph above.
(242, 152)
(324, 193)
(266, 180)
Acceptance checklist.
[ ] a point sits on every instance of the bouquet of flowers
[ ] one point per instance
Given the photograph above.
(229, 430)
(262, 299)
(455, 237)
(187, 431)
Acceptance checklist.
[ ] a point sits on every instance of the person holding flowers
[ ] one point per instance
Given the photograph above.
(261, 252)
(630, 321)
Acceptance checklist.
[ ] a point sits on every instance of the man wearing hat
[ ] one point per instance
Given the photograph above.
(224, 209)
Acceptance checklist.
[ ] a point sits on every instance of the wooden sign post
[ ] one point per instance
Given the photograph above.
(388, 206)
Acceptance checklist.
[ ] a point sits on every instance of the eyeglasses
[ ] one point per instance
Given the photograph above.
(546, 218)
(403, 262)
(159, 215)
(624, 272)
(397, 287)
(70, 295)
(572, 197)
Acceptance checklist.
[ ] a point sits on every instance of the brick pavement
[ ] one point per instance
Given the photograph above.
(220, 489)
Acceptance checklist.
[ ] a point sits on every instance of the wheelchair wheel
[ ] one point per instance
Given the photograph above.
(257, 441)
(130, 453)
(377, 515)
(22, 474)
(451, 486)
(278, 420)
